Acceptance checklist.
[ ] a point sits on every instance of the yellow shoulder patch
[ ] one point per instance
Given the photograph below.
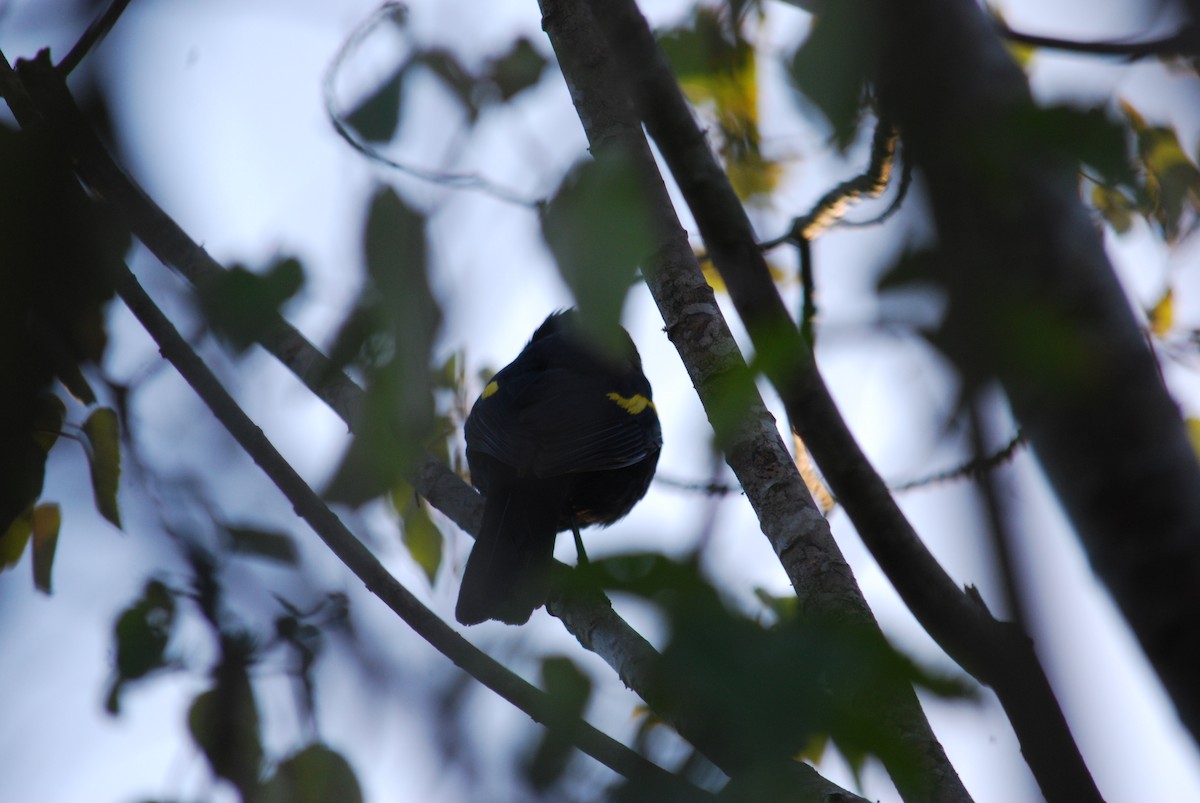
(489, 389)
(633, 405)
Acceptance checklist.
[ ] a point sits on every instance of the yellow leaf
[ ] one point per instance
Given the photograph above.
(812, 478)
(1193, 430)
(12, 542)
(1162, 316)
(46, 521)
(104, 460)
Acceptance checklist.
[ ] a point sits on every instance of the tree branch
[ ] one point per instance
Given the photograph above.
(994, 652)
(92, 36)
(755, 451)
(1106, 431)
(1176, 44)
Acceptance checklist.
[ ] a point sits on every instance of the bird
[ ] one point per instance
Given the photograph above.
(564, 436)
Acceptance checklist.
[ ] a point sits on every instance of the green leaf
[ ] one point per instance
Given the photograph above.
(241, 306)
(1172, 177)
(12, 543)
(717, 69)
(266, 544)
(598, 228)
(1087, 136)
(46, 521)
(831, 67)
(378, 116)
(518, 69)
(569, 690)
(1114, 206)
(224, 724)
(143, 630)
(400, 316)
(32, 429)
(420, 535)
(316, 774)
(140, 637)
(104, 460)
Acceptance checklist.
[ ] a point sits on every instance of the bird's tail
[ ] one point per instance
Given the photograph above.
(508, 572)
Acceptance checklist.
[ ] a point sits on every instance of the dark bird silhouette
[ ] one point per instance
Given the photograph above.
(566, 435)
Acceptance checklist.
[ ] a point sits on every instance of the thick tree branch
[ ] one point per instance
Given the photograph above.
(51, 112)
(1020, 251)
(756, 452)
(994, 652)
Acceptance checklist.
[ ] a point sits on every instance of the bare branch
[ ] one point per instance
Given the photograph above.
(462, 181)
(92, 36)
(1176, 44)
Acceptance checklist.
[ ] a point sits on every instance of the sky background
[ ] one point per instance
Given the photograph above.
(219, 109)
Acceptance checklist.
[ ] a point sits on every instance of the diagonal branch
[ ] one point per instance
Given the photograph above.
(1102, 424)
(92, 36)
(796, 529)
(994, 652)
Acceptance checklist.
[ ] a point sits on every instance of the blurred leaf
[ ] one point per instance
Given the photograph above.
(1114, 206)
(398, 313)
(449, 375)
(1087, 136)
(831, 67)
(1021, 53)
(140, 636)
(104, 460)
(1193, 431)
(31, 430)
(241, 306)
(569, 691)
(598, 228)
(770, 692)
(14, 539)
(912, 267)
(60, 250)
(518, 69)
(751, 174)
(378, 116)
(1162, 316)
(421, 536)
(46, 521)
(266, 544)
(717, 68)
(1172, 178)
(224, 724)
(315, 774)
(446, 66)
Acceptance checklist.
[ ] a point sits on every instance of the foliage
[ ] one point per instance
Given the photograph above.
(772, 684)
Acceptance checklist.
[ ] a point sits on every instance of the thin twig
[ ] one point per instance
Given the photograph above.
(998, 526)
(833, 205)
(462, 181)
(1176, 44)
(974, 468)
(92, 36)
(310, 507)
